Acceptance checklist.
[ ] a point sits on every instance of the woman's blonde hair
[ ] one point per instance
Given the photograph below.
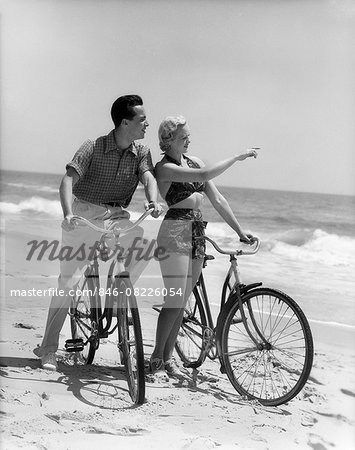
(168, 129)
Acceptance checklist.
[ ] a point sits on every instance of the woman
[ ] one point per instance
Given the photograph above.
(182, 181)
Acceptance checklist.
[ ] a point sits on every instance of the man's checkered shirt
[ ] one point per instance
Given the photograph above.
(108, 174)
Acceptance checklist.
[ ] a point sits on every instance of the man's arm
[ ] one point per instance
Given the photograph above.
(66, 194)
(151, 193)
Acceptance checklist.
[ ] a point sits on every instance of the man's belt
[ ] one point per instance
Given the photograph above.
(113, 204)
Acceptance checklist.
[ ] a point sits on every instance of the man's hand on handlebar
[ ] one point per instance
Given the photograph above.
(158, 209)
(68, 223)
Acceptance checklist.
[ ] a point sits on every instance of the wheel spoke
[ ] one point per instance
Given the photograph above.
(240, 352)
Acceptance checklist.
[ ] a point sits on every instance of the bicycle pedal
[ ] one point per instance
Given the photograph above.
(192, 365)
(74, 345)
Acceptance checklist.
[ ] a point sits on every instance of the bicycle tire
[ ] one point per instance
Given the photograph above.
(276, 370)
(83, 317)
(189, 342)
(130, 340)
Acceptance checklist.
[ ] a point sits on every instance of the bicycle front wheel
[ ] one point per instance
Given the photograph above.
(275, 367)
(130, 340)
(83, 318)
(189, 342)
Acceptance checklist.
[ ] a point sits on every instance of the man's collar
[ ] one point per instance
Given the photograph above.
(112, 145)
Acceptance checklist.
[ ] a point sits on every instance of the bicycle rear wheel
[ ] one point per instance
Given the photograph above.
(83, 317)
(130, 341)
(275, 369)
(189, 342)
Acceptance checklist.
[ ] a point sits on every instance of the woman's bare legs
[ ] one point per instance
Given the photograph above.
(180, 274)
(196, 268)
(176, 271)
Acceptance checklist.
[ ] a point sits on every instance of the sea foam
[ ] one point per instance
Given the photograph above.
(297, 244)
(33, 204)
(316, 246)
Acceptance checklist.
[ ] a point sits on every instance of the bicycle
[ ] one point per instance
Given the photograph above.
(262, 338)
(90, 322)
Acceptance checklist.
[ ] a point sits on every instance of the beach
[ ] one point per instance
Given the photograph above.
(84, 407)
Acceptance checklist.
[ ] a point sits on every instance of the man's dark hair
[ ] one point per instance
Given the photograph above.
(122, 108)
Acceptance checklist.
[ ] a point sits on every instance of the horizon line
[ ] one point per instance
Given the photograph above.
(219, 185)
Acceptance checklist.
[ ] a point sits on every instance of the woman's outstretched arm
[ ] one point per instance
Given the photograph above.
(172, 172)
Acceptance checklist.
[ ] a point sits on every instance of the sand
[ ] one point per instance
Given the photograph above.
(85, 407)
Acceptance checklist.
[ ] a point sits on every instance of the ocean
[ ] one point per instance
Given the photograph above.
(308, 239)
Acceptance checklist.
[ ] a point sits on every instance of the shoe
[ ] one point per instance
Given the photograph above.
(172, 369)
(157, 369)
(49, 362)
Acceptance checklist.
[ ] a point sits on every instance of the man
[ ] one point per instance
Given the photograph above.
(103, 177)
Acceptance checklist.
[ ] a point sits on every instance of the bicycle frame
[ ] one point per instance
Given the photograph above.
(106, 313)
(116, 270)
(237, 288)
(200, 285)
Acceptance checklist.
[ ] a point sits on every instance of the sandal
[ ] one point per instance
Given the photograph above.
(157, 369)
(172, 369)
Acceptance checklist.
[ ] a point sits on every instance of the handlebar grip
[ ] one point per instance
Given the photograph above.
(255, 250)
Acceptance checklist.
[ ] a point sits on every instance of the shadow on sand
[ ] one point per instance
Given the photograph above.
(100, 386)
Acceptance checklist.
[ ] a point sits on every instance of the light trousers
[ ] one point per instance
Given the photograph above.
(71, 269)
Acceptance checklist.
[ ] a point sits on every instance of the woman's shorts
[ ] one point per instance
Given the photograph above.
(178, 232)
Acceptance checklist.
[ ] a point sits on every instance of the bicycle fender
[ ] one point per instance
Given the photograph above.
(246, 288)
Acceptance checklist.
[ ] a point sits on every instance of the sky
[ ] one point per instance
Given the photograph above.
(276, 74)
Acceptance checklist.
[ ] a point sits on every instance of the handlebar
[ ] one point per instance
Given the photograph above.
(113, 229)
(239, 252)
